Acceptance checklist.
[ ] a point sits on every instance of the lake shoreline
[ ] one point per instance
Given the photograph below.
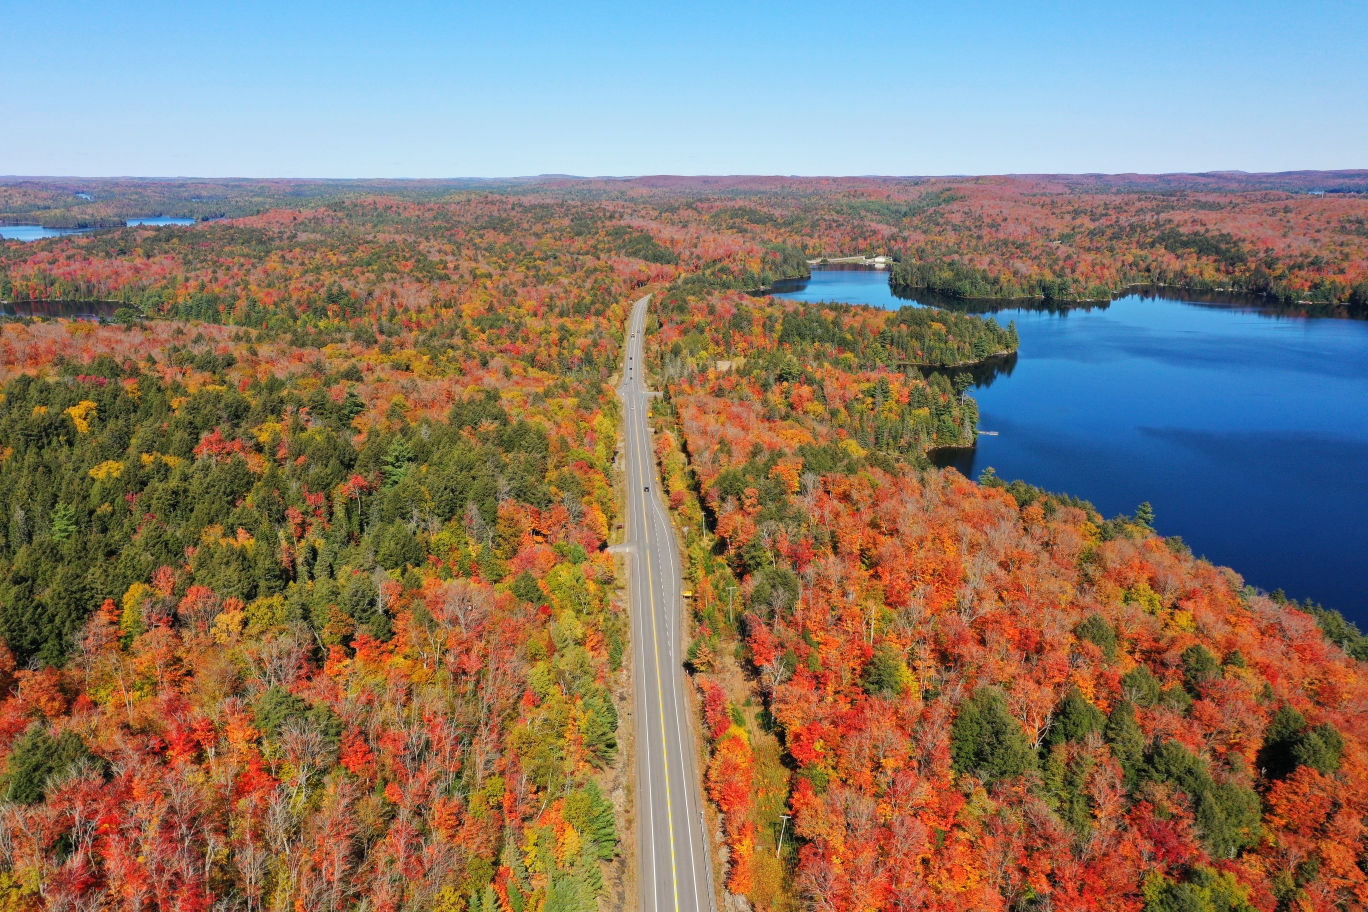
(1225, 297)
(28, 232)
(1244, 423)
(927, 297)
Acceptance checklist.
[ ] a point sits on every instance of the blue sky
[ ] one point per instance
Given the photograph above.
(499, 89)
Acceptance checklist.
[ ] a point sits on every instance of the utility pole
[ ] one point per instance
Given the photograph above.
(782, 826)
(731, 591)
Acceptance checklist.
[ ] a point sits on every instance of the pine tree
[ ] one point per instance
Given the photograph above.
(986, 740)
(1127, 740)
(1075, 720)
(63, 522)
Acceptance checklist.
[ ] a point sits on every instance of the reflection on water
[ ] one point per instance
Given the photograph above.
(71, 310)
(1215, 300)
(862, 285)
(34, 232)
(1245, 424)
(984, 373)
(38, 232)
(987, 306)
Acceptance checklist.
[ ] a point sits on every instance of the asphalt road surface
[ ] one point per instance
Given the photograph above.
(672, 868)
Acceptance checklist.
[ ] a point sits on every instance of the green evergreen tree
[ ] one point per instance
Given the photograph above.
(1320, 748)
(1229, 818)
(63, 522)
(886, 673)
(38, 759)
(1094, 629)
(592, 814)
(600, 726)
(1141, 687)
(1075, 719)
(1064, 778)
(1228, 814)
(986, 740)
(1205, 891)
(1199, 666)
(525, 587)
(1289, 743)
(1127, 741)
(397, 462)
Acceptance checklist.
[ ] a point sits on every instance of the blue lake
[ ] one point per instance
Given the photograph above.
(1246, 429)
(38, 232)
(33, 232)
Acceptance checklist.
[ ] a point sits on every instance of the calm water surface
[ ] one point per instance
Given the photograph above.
(72, 310)
(33, 232)
(38, 232)
(1247, 430)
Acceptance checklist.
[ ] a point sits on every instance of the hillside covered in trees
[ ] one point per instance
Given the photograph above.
(306, 602)
(1295, 237)
(983, 696)
(312, 610)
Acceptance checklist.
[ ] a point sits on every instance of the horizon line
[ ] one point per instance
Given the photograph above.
(553, 176)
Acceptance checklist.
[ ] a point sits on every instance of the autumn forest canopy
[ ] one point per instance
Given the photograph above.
(307, 602)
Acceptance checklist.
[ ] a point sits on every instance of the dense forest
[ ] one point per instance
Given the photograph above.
(1296, 237)
(958, 695)
(306, 601)
(278, 664)
(314, 611)
(837, 378)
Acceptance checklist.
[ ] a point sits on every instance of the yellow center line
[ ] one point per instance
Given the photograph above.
(655, 641)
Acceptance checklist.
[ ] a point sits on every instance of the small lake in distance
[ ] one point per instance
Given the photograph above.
(33, 232)
(38, 232)
(1246, 429)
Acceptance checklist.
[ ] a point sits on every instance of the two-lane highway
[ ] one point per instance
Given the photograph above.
(672, 865)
